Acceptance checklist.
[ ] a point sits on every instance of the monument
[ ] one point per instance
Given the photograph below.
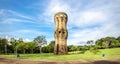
(60, 33)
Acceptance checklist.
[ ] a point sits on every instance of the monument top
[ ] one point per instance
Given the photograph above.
(61, 14)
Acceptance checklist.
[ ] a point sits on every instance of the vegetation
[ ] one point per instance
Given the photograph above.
(108, 42)
(49, 48)
(3, 45)
(40, 40)
(76, 55)
(13, 43)
(36, 46)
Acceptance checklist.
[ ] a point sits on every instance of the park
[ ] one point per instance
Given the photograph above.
(71, 57)
(59, 33)
(105, 48)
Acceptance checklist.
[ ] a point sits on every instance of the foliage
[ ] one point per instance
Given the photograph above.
(3, 45)
(108, 42)
(14, 43)
(72, 48)
(40, 41)
(21, 47)
(18, 45)
(94, 50)
(30, 46)
(49, 48)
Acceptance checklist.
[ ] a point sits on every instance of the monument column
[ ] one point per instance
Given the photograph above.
(60, 33)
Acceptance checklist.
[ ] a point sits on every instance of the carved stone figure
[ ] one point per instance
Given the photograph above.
(60, 33)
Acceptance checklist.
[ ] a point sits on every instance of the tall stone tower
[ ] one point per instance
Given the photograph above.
(60, 33)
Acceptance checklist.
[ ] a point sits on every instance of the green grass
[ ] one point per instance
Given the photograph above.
(110, 53)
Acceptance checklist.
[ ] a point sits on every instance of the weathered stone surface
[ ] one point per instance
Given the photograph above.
(60, 33)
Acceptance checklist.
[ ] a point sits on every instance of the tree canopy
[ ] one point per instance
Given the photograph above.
(40, 41)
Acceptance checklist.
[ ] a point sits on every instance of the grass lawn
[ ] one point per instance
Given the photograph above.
(110, 53)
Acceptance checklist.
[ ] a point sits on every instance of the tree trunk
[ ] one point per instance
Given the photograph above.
(24, 51)
(32, 51)
(5, 49)
(14, 50)
(40, 48)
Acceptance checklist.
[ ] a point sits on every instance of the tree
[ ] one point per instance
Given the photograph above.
(72, 48)
(20, 40)
(90, 43)
(40, 41)
(51, 45)
(114, 43)
(84, 48)
(5, 41)
(46, 49)
(21, 46)
(118, 38)
(30, 46)
(94, 50)
(99, 43)
(49, 48)
(13, 43)
(1, 45)
(108, 42)
(18, 45)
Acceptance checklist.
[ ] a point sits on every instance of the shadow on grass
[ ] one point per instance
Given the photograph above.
(42, 55)
(105, 62)
(22, 61)
(82, 52)
(76, 52)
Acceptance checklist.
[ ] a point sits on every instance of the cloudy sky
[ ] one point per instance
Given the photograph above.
(87, 19)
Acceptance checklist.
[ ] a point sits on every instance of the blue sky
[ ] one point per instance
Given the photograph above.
(87, 19)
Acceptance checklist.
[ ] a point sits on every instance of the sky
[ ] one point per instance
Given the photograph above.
(87, 19)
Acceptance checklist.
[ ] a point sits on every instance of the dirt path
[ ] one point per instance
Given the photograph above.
(24, 61)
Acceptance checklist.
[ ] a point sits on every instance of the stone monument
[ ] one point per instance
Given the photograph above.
(60, 33)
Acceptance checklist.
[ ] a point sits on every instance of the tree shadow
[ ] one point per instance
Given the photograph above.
(105, 62)
(82, 52)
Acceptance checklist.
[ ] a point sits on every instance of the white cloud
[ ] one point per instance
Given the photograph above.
(27, 40)
(30, 31)
(103, 14)
(86, 18)
(18, 14)
(14, 20)
(75, 15)
(27, 35)
(30, 34)
(1, 11)
(10, 16)
(4, 12)
(53, 7)
(84, 35)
